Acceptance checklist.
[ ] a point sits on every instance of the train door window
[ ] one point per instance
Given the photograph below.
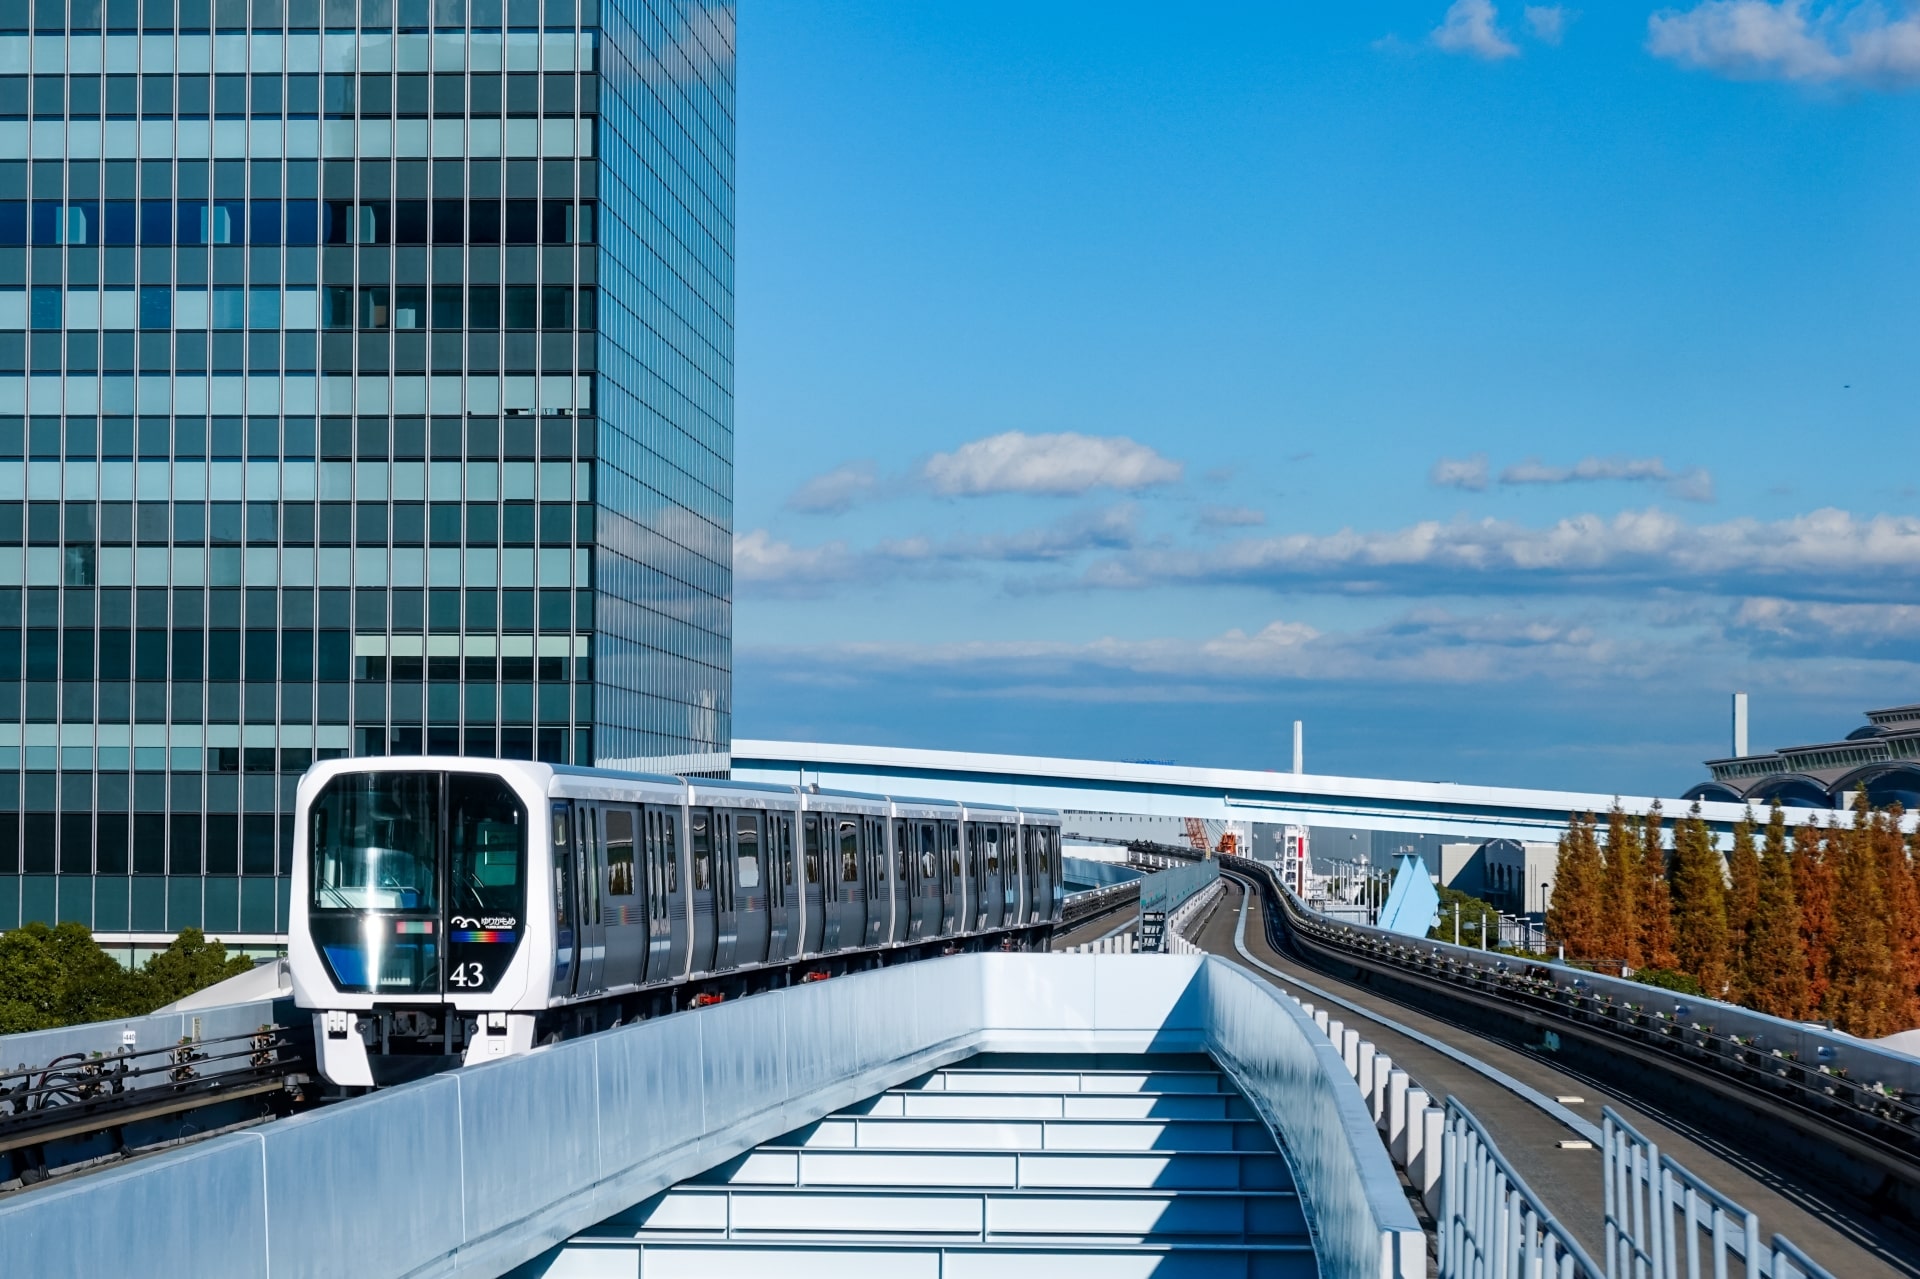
(810, 846)
(929, 858)
(670, 850)
(993, 849)
(902, 846)
(702, 850)
(849, 851)
(723, 860)
(747, 839)
(650, 820)
(562, 865)
(950, 842)
(619, 833)
(780, 847)
(588, 834)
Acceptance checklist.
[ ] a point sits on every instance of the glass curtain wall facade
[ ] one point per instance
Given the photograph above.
(365, 388)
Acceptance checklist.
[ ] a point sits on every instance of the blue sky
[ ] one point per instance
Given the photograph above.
(1494, 387)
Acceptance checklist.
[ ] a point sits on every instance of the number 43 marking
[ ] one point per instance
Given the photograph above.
(467, 975)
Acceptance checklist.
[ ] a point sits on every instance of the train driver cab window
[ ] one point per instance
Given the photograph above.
(620, 878)
(747, 840)
(702, 851)
(810, 838)
(849, 851)
(374, 842)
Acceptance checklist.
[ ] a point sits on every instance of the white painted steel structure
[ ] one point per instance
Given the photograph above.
(1214, 794)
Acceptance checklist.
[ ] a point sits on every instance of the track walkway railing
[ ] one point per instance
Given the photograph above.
(1662, 1222)
(1490, 1221)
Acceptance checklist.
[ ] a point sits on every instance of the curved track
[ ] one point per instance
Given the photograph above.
(1840, 1233)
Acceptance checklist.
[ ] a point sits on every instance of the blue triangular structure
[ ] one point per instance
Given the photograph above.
(1413, 904)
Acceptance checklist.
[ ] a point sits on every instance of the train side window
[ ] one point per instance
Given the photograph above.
(849, 852)
(929, 865)
(619, 832)
(950, 840)
(723, 860)
(810, 847)
(591, 879)
(562, 889)
(702, 852)
(747, 840)
(993, 849)
(670, 850)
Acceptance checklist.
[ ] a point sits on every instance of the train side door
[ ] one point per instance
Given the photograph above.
(855, 899)
(1010, 873)
(752, 891)
(706, 931)
(626, 908)
(667, 922)
(590, 922)
(953, 881)
(560, 833)
(813, 858)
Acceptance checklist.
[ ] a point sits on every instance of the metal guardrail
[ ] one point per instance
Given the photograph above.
(1490, 1221)
(1082, 906)
(1774, 1059)
(1659, 1216)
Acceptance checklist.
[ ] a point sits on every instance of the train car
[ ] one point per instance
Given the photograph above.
(451, 910)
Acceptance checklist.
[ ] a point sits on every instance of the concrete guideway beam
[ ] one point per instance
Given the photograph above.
(476, 1171)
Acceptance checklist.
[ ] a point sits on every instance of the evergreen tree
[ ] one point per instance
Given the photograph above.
(189, 963)
(1813, 885)
(1577, 916)
(1903, 915)
(1657, 946)
(1623, 888)
(1743, 898)
(1863, 999)
(1774, 955)
(1698, 886)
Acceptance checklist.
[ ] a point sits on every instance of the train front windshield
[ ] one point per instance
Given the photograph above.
(418, 881)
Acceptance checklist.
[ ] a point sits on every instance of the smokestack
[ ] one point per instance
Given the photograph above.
(1739, 723)
(1300, 747)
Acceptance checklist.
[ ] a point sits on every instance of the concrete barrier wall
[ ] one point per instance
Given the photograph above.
(1166, 889)
(477, 1170)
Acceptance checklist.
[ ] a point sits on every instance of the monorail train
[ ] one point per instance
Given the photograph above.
(470, 907)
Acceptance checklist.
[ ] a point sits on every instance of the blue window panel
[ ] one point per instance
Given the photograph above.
(303, 222)
(229, 308)
(13, 222)
(156, 308)
(46, 221)
(46, 308)
(120, 220)
(264, 222)
(263, 309)
(156, 222)
(227, 222)
(193, 222)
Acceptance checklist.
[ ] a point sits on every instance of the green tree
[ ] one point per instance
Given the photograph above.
(1656, 903)
(1698, 886)
(1774, 954)
(1623, 858)
(1475, 919)
(1743, 899)
(1577, 915)
(59, 976)
(191, 963)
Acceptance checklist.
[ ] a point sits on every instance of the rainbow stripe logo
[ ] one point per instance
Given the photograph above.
(484, 935)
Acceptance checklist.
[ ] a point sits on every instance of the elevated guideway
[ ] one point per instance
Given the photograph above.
(1544, 1110)
(535, 1159)
(1168, 790)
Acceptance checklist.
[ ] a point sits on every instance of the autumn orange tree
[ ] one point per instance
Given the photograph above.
(1698, 886)
(1773, 954)
(1743, 899)
(1577, 914)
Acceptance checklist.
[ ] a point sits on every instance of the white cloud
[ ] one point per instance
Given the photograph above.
(759, 557)
(1231, 517)
(1828, 550)
(1468, 473)
(1059, 464)
(836, 490)
(1791, 40)
(1695, 484)
(1547, 22)
(1473, 27)
(1816, 627)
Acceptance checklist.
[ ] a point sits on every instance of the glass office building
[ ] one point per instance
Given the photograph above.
(365, 387)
